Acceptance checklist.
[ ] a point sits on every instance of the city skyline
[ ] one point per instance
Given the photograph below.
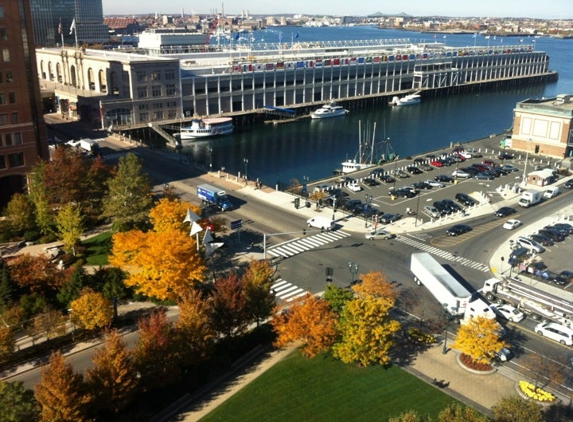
(549, 9)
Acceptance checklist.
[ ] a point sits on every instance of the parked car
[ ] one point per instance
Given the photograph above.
(489, 163)
(368, 181)
(426, 167)
(511, 224)
(420, 160)
(431, 211)
(413, 170)
(458, 158)
(568, 184)
(542, 240)
(389, 218)
(555, 332)
(465, 199)
(404, 193)
(471, 170)
(565, 226)
(552, 192)
(565, 231)
(452, 205)
(551, 234)
(480, 167)
(484, 175)
(458, 229)
(351, 204)
(354, 187)
(379, 234)
(387, 179)
(568, 275)
(444, 178)
(461, 173)
(442, 208)
(530, 244)
(434, 183)
(509, 168)
(401, 174)
(505, 211)
(437, 163)
(322, 188)
(509, 312)
(505, 156)
(556, 278)
(422, 185)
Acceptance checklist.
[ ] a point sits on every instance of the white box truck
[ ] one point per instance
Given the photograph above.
(529, 197)
(455, 299)
(322, 223)
(538, 300)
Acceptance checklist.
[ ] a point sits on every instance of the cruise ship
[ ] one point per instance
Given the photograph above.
(170, 83)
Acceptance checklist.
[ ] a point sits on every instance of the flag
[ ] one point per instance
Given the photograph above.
(494, 37)
(296, 36)
(237, 36)
(474, 35)
(73, 26)
(444, 37)
(60, 27)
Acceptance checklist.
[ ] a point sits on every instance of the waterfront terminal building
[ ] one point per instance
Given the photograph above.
(168, 82)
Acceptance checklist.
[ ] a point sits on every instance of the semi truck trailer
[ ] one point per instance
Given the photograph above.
(214, 196)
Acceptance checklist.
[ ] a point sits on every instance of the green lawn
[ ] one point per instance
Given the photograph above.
(324, 389)
(97, 248)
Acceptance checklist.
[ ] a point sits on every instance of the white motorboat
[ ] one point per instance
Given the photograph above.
(329, 110)
(407, 100)
(203, 128)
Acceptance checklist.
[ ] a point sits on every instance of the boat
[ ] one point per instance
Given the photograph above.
(203, 128)
(407, 100)
(329, 110)
(365, 157)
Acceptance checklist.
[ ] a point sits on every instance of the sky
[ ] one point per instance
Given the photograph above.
(543, 9)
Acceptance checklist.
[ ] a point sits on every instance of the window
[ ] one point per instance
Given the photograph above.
(5, 55)
(143, 106)
(3, 119)
(7, 139)
(156, 90)
(158, 115)
(17, 138)
(2, 162)
(143, 117)
(142, 92)
(9, 77)
(14, 118)
(170, 74)
(2, 98)
(11, 97)
(172, 114)
(155, 76)
(3, 35)
(1, 11)
(141, 76)
(170, 89)
(171, 104)
(158, 105)
(16, 159)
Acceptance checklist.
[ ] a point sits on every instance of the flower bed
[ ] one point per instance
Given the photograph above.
(469, 362)
(419, 336)
(535, 393)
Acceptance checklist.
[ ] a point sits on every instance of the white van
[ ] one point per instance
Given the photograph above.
(551, 192)
(322, 223)
(555, 332)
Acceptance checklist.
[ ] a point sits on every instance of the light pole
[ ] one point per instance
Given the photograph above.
(448, 319)
(246, 161)
(368, 200)
(210, 159)
(417, 210)
(334, 209)
(525, 168)
(353, 268)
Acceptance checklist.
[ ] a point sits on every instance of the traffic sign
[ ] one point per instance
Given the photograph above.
(237, 224)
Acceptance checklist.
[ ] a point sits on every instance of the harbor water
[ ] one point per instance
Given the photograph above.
(310, 149)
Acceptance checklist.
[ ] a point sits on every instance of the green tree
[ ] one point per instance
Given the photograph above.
(17, 404)
(41, 200)
(457, 413)
(69, 223)
(338, 297)
(112, 380)
(6, 287)
(479, 339)
(516, 409)
(20, 213)
(61, 392)
(129, 198)
(70, 291)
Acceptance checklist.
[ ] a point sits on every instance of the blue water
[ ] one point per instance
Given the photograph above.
(312, 149)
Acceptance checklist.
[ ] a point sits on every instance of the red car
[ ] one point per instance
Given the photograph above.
(437, 163)
(490, 163)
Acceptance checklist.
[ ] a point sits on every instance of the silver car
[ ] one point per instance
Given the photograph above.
(380, 234)
(432, 211)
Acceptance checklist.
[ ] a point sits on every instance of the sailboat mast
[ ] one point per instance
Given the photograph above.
(372, 148)
(359, 141)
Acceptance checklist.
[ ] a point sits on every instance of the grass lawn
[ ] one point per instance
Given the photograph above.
(97, 249)
(324, 389)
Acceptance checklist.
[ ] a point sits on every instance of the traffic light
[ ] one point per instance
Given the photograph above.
(296, 203)
(304, 231)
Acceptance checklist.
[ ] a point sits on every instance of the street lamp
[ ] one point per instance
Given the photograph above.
(448, 319)
(334, 209)
(246, 161)
(210, 159)
(368, 200)
(417, 210)
(353, 268)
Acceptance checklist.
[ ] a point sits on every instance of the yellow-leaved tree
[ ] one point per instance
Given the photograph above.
(479, 339)
(366, 329)
(92, 310)
(163, 262)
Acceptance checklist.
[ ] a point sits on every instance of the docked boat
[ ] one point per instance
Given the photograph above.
(329, 110)
(407, 100)
(203, 128)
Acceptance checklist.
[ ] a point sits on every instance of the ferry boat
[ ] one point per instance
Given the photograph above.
(203, 128)
(329, 110)
(410, 99)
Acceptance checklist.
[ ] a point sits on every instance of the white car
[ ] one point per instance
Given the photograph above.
(355, 187)
(555, 332)
(511, 224)
(434, 183)
(380, 234)
(509, 312)
(461, 173)
(551, 192)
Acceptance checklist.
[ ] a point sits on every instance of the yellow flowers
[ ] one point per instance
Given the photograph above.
(421, 337)
(535, 393)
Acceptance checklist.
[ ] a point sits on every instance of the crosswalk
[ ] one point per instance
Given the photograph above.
(302, 244)
(442, 254)
(287, 291)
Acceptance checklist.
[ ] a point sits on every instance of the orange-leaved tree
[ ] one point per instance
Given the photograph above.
(366, 330)
(61, 392)
(311, 321)
(113, 379)
(162, 263)
(36, 274)
(229, 316)
(479, 339)
(92, 310)
(195, 333)
(257, 282)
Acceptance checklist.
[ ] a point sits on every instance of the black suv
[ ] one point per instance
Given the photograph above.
(465, 199)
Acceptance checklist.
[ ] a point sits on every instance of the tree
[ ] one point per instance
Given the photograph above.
(112, 380)
(61, 392)
(543, 370)
(7, 342)
(457, 413)
(257, 282)
(92, 310)
(36, 274)
(50, 323)
(70, 291)
(516, 409)
(410, 416)
(229, 305)
(155, 355)
(338, 297)
(366, 331)
(20, 213)
(309, 320)
(6, 287)
(168, 215)
(17, 404)
(129, 197)
(162, 263)
(375, 284)
(96, 180)
(64, 177)
(196, 335)
(480, 339)
(69, 223)
(39, 196)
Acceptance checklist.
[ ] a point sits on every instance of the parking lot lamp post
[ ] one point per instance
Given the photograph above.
(210, 159)
(353, 268)
(448, 319)
(417, 211)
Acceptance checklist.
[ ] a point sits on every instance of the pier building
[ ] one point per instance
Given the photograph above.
(130, 88)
